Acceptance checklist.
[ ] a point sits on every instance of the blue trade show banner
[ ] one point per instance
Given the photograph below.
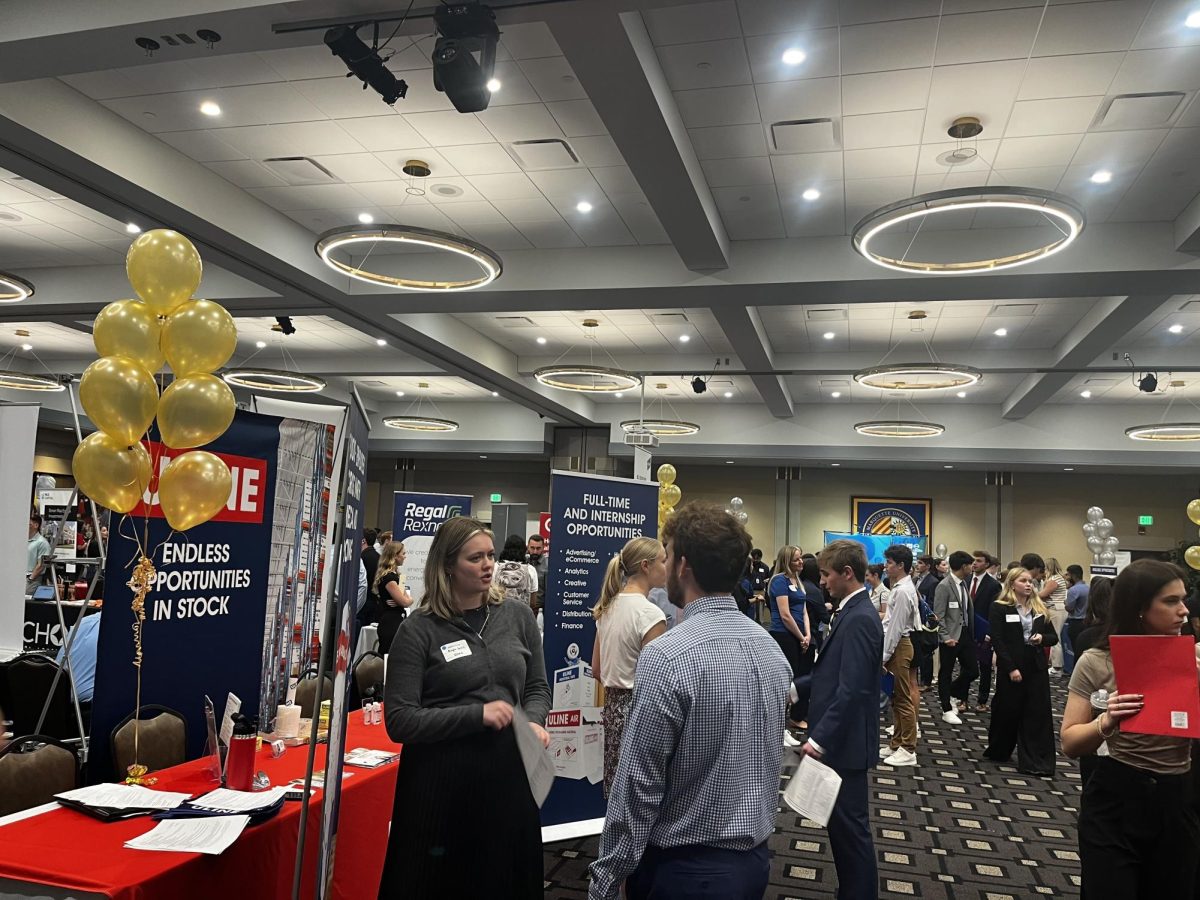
(415, 520)
(203, 633)
(592, 517)
(875, 544)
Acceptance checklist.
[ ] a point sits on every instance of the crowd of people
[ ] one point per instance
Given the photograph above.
(696, 702)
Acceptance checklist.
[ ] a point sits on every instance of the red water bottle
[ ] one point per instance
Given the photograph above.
(239, 765)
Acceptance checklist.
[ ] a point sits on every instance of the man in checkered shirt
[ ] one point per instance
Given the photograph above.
(709, 704)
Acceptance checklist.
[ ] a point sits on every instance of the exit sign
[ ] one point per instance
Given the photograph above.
(496, 498)
(1145, 520)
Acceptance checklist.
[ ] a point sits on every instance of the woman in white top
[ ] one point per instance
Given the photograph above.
(626, 621)
(1054, 595)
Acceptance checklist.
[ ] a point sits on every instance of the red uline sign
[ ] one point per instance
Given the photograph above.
(247, 498)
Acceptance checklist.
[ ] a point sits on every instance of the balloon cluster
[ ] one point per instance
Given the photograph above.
(1192, 554)
(1097, 530)
(941, 551)
(735, 509)
(118, 391)
(668, 493)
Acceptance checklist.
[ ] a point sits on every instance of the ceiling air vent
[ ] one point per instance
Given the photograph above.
(668, 318)
(1013, 309)
(515, 321)
(299, 170)
(550, 153)
(825, 315)
(803, 136)
(1130, 112)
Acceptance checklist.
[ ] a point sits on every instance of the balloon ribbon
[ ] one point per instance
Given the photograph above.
(139, 583)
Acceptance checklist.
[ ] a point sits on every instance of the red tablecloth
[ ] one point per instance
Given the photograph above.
(67, 849)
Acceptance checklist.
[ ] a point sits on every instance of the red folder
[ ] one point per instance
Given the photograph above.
(1163, 668)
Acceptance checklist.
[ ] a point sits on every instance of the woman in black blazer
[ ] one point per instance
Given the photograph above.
(1021, 629)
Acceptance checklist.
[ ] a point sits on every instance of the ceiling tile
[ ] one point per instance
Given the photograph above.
(985, 90)
(570, 184)
(379, 133)
(875, 92)
(867, 194)
(533, 209)
(1145, 71)
(10, 193)
(527, 122)
(857, 12)
(882, 163)
(820, 49)
(1089, 27)
(553, 78)
(750, 212)
(245, 173)
(982, 36)
(717, 106)
(891, 45)
(448, 128)
(788, 100)
(705, 65)
(1161, 27)
(309, 196)
(930, 162)
(1178, 147)
(439, 166)
(480, 159)
(456, 190)
(554, 234)
(257, 104)
(639, 217)
(734, 172)
(1067, 115)
(299, 63)
(600, 150)
(602, 227)
(1118, 148)
(775, 16)
(1035, 152)
(341, 98)
(473, 213)
(393, 192)
(354, 167)
(506, 186)
(421, 215)
(893, 129)
(500, 236)
(1080, 75)
(728, 141)
(808, 218)
(1043, 177)
(529, 40)
(692, 23)
(616, 180)
(577, 118)
(514, 86)
(806, 169)
(296, 139)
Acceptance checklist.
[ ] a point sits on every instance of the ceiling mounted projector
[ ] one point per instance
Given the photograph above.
(464, 56)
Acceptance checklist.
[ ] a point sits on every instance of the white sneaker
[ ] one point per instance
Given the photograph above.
(791, 742)
(885, 751)
(950, 717)
(889, 731)
(1054, 671)
(901, 757)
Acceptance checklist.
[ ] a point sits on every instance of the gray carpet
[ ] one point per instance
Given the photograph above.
(953, 827)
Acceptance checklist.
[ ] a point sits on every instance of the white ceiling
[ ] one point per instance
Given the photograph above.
(39, 228)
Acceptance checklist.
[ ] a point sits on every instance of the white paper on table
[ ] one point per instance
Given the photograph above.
(812, 790)
(370, 759)
(211, 835)
(539, 767)
(124, 796)
(240, 801)
(233, 704)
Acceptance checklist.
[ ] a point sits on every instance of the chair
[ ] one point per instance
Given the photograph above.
(32, 770)
(161, 740)
(29, 677)
(306, 694)
(368, 675)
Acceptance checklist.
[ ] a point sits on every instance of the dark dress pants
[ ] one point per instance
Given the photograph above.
(700, 873)
(963, 653)
(983, 655)
(850, 839)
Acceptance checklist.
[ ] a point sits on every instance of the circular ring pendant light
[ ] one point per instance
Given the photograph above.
(420, 423)
(368, 236)
(918, 377)
(276, 380)
(14, 289)
(1166, 432)
(1067, 218)
(899, 428)
(27, 381)
(586, 379)
(660, 427)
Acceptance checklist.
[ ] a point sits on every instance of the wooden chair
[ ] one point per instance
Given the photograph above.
(33, 769)
(161, 743)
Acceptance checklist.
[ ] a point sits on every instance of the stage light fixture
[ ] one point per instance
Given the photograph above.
(364, 62)
(284, 324)
(1148, 383)
(464, 57)
(699, 385)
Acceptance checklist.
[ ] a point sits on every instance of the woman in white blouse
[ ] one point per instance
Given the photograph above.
(1054, 595)
(626, 621)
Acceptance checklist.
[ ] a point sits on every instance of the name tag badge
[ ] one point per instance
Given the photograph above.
(456, 650)
(1012, 617)
(954, 604)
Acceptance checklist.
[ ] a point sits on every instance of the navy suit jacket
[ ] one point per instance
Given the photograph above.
(843, 714)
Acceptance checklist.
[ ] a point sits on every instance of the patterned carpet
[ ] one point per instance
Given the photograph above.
(953, 827)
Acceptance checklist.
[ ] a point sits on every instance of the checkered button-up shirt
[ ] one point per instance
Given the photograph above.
(709, 708)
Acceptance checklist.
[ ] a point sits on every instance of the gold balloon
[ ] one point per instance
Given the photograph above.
(129, 328)
(164, 269)
(1192, 557)
(194, 411)
(193, 488)
(199, 337)
(666, 474)
(120, 397)
(112, 474)
(670, 494)
(1193, 512)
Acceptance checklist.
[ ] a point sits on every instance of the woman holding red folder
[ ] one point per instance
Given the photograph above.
(1021, 629)
(1137, 828)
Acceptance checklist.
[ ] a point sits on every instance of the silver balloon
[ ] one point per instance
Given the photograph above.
(45, 483)
(735, 504)
(1095, 514)
(742, 516)
(1089, 529)
(1108, 558)
(1095, 544)
(940, 551)
(1104, 528)
(1112, 543)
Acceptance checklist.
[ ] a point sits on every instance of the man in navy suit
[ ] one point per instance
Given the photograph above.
(983, 589)
(843, 713)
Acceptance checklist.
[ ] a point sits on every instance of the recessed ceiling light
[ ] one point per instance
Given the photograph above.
(380, 342)
(835, 465)
(133, 229)
(1085, 394)
(260, 344)
(495, 393)
(366, 218)
(947, 467)
(209, 108)
(811, 194)
(541, 340)
(836, 394)
(583, 206)
(493, 84)
(1069, 469)
(27, 347)
(729, 462)
(1101, 176)
(961, 394)
(728, 394)
(684, 338)
(619, 394)
(483, 456)
(1000, 332)
(1176, 329)
(1193, 20)
(399, 393)
(793, 56)
(829, 335)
